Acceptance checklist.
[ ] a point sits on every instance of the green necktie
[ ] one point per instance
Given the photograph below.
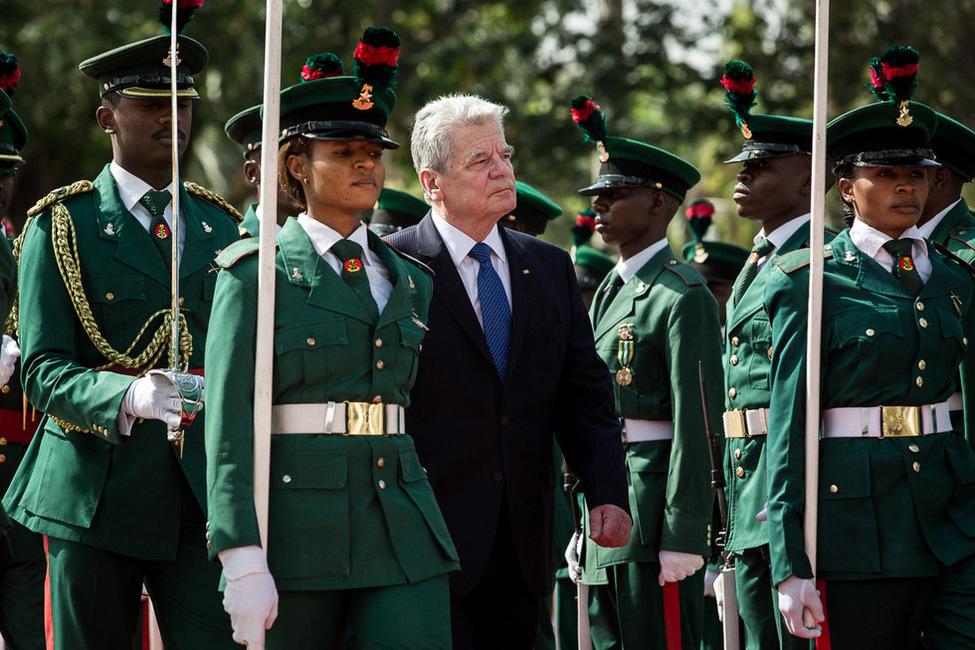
(605, 297)
(748, 274)
(156, 202)
(354, 274)
(904, 269)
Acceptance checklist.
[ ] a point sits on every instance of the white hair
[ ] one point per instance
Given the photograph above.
(430, 142)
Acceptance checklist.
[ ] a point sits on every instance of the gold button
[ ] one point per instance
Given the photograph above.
(733, 360)
(922, 364)
(3, 441)
(833, 489)
(870, 332)
(5, 389)
(382, 485)
(914, 448)
(310, 341)
(739, 472)
(922, 322)
(769, 354)
(3, 458)
(917, 467)
(110, 296)
(379, 343)
(208, 544)
(919, 381)
(737, 453)
(106, 434)
(920, 306)
(964, 341)
(378, 399)
(380, 365)
(286, 478)
(732, 393)
(735, 341)
(181, 301)
(208, 526)
(380, 462)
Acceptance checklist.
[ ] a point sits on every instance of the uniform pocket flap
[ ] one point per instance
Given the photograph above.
(111, 289)
(412, 336)
(850, 326)
(311, 336)
(309, 471)
(844, 476)
(410, 466)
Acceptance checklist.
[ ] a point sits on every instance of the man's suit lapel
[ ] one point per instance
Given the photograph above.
(521, 294)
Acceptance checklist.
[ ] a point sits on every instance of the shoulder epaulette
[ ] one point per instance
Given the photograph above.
(236, 251)
(793, 260)
(686, 272)
(78, 187)
(946, 252)
(213, 198)
(829, 233)
(410, 258)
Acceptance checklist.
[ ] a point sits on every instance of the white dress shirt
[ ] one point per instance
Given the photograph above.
(781, 235)
(870, 241)
(929, 227)
(131, 188)
(628, 268)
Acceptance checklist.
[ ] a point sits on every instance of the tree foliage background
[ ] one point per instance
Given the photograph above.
(653, 66)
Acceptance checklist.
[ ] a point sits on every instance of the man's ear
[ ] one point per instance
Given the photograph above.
(106, 119)
(430, 181)
(252, 172)
(845, 186)
(806, 188)
(937, 178)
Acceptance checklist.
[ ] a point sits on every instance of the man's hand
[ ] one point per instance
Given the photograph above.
(675, 566)
(9, 353)
(572, 553)
(250, 596)
(153, 397)
(609, 526)
(798, 594)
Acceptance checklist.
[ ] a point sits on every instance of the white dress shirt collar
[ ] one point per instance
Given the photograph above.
(323, 237)
(459, 244)
(928, 228)
(131, 188)
(628, 268)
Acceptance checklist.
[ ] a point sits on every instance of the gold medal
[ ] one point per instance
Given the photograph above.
(624, 377)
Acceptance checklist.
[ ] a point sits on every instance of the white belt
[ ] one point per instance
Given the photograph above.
(647, 430)
(955, 402)
(745, 424)
(886, 421)
(346, 418)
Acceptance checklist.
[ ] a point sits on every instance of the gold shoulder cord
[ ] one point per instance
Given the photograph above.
(66, 254)
(215, 199)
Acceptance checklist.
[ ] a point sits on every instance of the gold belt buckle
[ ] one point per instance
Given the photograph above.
(900, 421)
(734, 424)
(364, 418)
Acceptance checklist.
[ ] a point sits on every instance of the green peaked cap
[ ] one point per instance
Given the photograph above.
(635, 164)
(716, 260)
(245, 128)
(396, 210)
(883, 135)
(13, 134)
(773, 136)
(138, 69)
(954, 145)
(534, 209)
(591, 266)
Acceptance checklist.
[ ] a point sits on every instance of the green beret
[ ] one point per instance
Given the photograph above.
(771, 136)
(396, 210)
(883, 135)
(591, 266)
(954, 145)
(142, 69)
(635, 164)
(245, 128)
(534, 209)
(715, 260)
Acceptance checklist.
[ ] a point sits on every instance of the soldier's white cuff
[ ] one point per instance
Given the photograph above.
(242, 560)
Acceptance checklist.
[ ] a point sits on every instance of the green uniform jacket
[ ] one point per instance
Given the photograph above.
(675, 324)
(893, 507)
(748, 343)
(345, 511)
(93, 486)
(8, 291)
(251, 225)
(956, 232)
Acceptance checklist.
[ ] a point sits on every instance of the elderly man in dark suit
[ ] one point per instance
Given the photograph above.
(508, 362)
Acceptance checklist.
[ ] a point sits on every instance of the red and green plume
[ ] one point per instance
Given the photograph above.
(739, 83)
(184, 13)
(322, 66)
(584, 228)
(9, 73)
(376, 58)
(588, 117)
(699, 216)
(893, 75)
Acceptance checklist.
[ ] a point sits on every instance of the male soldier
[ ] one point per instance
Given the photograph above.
(22, 562)
(654, 322)
(119, 505)
(773, 189)
(396, 210)
(947, 220)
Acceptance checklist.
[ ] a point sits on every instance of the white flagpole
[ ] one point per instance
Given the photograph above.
(816, 261)
(174, 260)
(264, 353)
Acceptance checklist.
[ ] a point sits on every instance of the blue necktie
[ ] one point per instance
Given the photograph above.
(495, 311)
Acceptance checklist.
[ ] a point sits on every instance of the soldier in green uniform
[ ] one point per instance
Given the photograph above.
(22, 561)
(773, 188)
(591, 265)
(396, 210)
(355, 534)
(119, 505)
(654, 321)
(533, 211)
(895, 550)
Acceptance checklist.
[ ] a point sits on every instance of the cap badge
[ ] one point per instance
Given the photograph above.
(168, 61)
(603, 154)
(364, 102)
(904, 116)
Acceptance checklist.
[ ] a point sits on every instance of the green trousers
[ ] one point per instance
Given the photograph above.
(404, 617)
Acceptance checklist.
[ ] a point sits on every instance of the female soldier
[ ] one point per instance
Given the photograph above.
(355, 534)
(896, 499)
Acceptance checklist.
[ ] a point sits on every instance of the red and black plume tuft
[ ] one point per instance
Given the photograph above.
(377, 58)
(9, 73)
(584, 228)
(699, 217)
(184, 14)
(322, 66)
(739, 83)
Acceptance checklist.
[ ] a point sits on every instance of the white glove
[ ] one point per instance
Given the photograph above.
(153, 397)
(572, 553)
(675, 566)
(9, 353)
(250, 596)
(796, 595)
(718, 588)
(762, 514)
